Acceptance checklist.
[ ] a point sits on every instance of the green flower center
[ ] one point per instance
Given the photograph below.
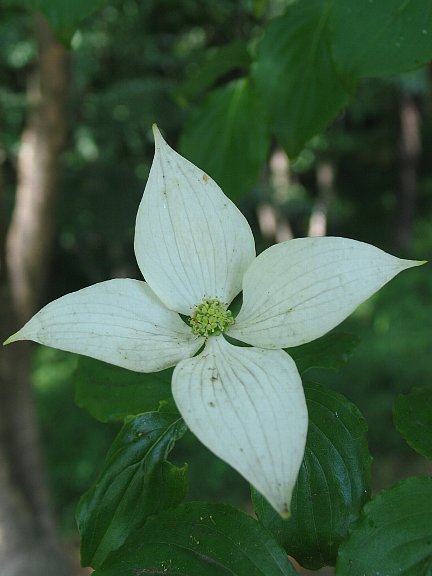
(210, 318)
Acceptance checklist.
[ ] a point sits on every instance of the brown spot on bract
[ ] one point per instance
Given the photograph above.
(205, 178)
(215, 375)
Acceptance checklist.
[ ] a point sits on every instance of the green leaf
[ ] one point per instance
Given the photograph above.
(381, 37)
(216, 62)
(332, 352)
(295, 74)
(136, 481)
(111, 393)
(333, 482)
(311, 58)
(227, 137)
(412, 415)
(393, 535)
(65, 16)
(200, 539)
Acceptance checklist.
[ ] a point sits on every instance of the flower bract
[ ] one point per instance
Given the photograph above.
(197, 253)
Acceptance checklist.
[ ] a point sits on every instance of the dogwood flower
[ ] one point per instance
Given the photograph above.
(196, 252)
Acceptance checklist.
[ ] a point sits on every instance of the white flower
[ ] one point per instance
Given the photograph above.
(196, 252)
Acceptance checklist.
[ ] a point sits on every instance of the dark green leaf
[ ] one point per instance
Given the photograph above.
(412, 415)
(200, 539)
(217, 62)
(394, 534)
(65, 15)
(381, 37)
(332, 351)
(110, 393)
(227, 137)
(136, 481)
(295, 74)
(333, 483)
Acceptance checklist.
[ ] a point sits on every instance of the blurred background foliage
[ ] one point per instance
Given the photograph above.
(135, 63)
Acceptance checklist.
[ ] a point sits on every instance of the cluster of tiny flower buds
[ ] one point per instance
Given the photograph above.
(210, 318)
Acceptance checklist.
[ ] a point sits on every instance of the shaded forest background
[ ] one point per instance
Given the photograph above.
(75, 151)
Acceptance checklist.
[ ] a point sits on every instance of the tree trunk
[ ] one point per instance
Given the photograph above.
(318, 218)
(409, 154)
(30, 236)
(275, 225)
(28, 541)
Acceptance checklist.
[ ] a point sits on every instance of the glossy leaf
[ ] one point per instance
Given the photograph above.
(110, 393)
(228, 138)
(136, 481)
(381, 37)
(200, 539)
(393, 535)
(333, 483)
(412, 415)
(66, 15)
(295, 74)
(331, 352)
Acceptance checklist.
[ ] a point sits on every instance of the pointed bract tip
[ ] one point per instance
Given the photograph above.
(285, 513)
(17, 336)
(413, 263)
(405, 264)
(10, 340)
(158, 138)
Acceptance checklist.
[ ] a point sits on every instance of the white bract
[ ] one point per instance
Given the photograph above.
(196, 252)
